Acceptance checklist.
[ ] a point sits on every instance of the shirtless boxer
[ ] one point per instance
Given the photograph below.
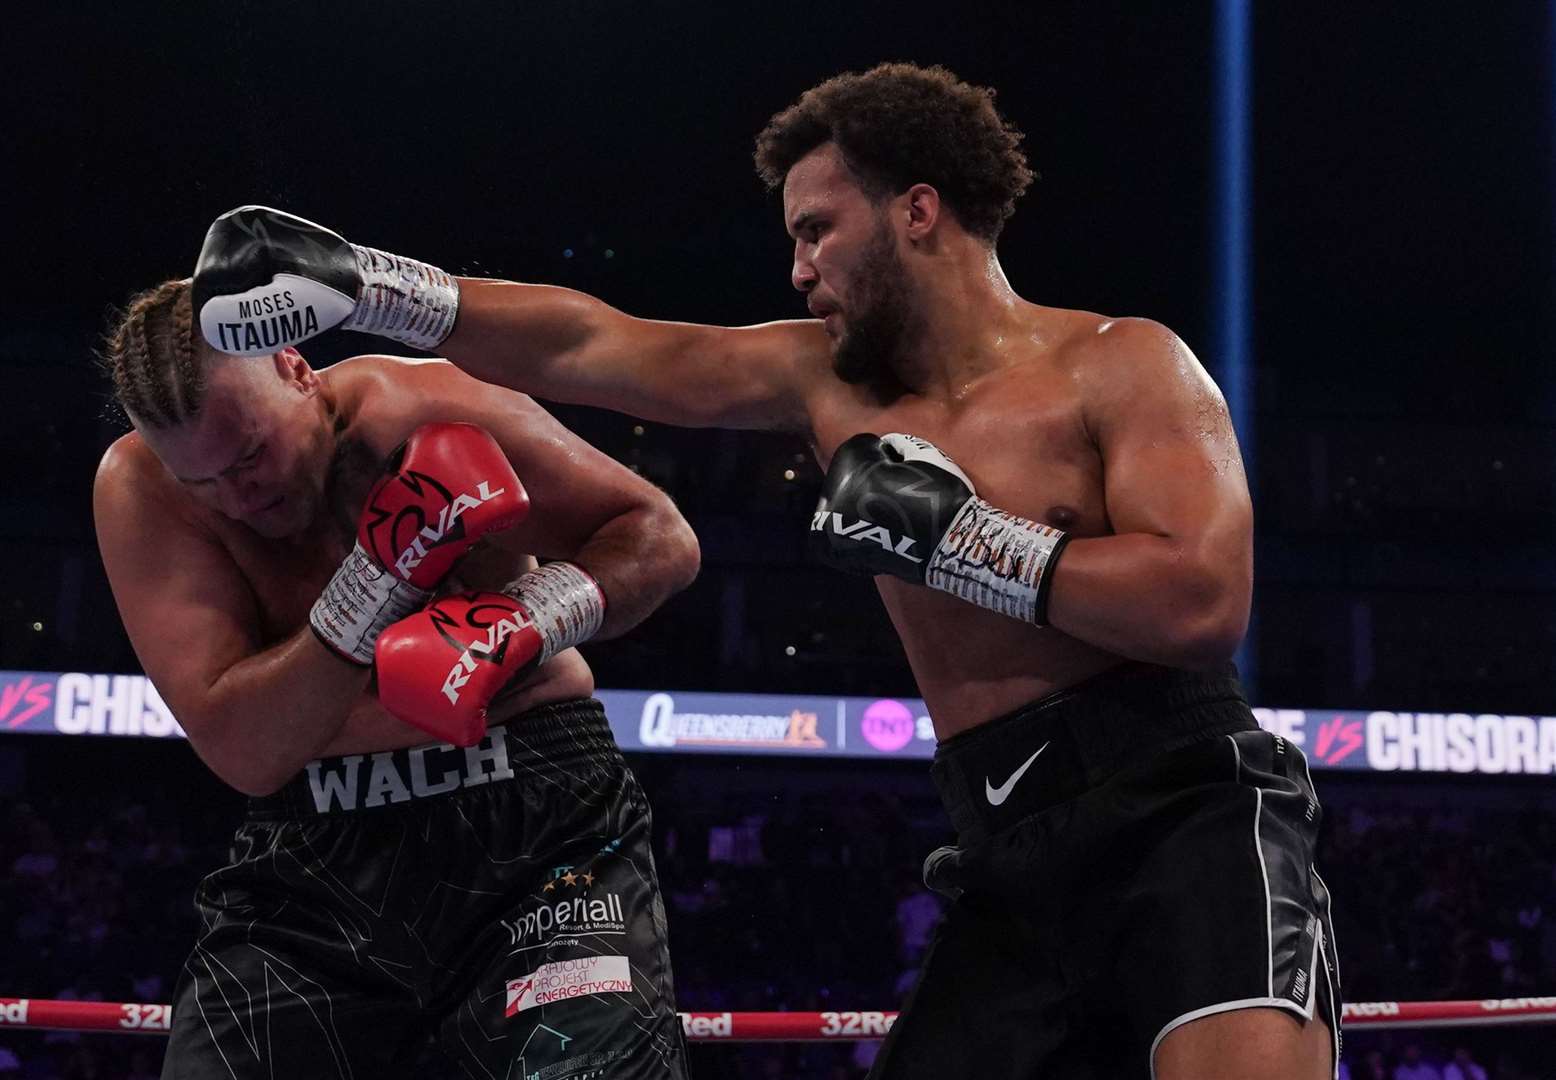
(1134, 880)
(498, 895)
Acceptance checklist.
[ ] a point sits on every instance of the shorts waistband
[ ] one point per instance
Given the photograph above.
(562, 735)
(1055, 748)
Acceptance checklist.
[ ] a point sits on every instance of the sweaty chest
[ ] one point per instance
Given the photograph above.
(286, 578)
(1025, 448)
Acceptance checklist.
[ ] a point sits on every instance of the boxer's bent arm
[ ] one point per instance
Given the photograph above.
(585, 507)
(1174, 584)
(563, 345)
(254, 715)
(371, 730)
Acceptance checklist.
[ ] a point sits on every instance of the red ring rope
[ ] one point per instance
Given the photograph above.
(132, 1017)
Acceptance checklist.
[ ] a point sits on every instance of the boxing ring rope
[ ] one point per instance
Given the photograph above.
(136, 1018)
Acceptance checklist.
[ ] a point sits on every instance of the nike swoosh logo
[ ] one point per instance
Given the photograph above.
(998, 795)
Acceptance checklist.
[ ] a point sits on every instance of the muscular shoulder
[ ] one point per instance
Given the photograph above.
(1112, 348)
(809, 345)
(129, 470)
(1110, 354)
(385, 398)
(126, 459)
(390, 383)
(132, 487)
(1129, 363)
(797, 357)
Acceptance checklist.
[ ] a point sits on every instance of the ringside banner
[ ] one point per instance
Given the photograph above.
(79, 703)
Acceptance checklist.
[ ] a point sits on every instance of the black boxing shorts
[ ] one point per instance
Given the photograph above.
(485, 912)
(1132, 853)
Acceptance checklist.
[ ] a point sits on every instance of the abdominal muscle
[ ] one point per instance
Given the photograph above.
(973, 665)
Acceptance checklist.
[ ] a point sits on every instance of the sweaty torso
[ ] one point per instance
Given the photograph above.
(374, 412)
(1019, 433)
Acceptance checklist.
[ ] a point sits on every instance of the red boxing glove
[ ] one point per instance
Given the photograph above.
(440, 668)
(442, 490)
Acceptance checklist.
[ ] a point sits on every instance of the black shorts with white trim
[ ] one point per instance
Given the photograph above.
(1132, 853)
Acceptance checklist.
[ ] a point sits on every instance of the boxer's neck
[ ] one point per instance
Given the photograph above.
(969, 322)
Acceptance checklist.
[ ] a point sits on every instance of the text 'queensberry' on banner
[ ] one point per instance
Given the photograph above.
(733, 722)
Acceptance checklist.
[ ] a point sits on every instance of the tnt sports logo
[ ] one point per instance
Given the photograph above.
(568, 979)
(13, 1012)
(887, 726)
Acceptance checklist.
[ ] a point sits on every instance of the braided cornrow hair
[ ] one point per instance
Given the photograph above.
(153, 358)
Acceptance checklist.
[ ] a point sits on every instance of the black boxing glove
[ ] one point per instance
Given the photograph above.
(897, 505)
(943, 871)
(267, 279)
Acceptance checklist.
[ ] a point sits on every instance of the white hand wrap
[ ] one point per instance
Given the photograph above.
(361, 600)
(409, 301)
(565, 604)
(997, 560)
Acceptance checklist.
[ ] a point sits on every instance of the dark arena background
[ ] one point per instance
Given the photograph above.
(1345, 210)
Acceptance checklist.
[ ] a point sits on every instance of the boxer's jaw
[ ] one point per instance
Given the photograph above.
(875, 309)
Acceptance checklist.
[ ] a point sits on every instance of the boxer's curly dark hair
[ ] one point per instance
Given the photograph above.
(153, 357)
(900, 124)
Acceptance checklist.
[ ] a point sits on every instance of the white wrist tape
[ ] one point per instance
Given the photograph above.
(997, 560)
(565, 605)
(359, 603)
(408, 301)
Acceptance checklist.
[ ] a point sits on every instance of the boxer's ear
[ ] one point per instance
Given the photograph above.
(296, 372)
(922, 204)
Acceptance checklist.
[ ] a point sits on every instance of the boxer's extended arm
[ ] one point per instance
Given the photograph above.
(266, 278)
(1174, 585)
(567, 346)
(255, 715)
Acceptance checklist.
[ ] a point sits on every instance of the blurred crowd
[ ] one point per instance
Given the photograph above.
(797, 896)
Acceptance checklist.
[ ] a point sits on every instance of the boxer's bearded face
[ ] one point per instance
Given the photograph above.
(847, 262)
(255, 451)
